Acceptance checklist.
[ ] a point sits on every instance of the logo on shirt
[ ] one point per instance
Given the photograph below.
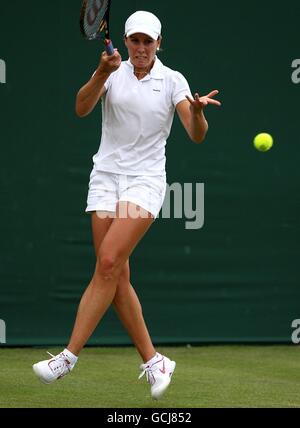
(156, 90)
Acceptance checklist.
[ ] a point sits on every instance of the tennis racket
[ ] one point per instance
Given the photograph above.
(94, 22)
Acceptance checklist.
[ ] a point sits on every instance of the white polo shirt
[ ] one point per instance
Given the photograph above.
(137, 116)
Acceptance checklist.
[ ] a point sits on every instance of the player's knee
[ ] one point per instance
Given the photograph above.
(107, 267)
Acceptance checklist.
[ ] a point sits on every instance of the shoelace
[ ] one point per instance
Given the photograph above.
(60, 364)
(149, 373)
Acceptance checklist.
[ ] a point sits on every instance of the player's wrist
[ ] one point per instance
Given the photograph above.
(197, 112)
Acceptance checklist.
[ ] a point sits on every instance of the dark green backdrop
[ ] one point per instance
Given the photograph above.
(237, 278)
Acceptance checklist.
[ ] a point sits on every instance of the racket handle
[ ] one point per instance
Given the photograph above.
(109, 47)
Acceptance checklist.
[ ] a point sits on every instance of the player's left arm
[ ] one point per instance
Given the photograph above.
(191, 114)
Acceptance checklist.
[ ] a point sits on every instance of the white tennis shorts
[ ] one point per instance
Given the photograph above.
(107, 189)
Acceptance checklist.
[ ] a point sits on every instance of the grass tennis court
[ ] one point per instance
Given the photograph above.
(206, 376)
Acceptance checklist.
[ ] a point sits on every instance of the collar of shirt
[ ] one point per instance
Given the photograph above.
(156, 71)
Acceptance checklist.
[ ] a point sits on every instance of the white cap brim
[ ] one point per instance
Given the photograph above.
(144, 30)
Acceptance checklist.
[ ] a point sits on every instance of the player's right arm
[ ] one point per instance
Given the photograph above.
(89, 95)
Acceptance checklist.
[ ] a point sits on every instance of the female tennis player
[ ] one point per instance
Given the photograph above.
(127, 185)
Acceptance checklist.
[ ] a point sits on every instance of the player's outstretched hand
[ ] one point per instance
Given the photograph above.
(198, 103)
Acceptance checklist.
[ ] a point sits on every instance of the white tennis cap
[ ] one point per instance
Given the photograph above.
(143, 22)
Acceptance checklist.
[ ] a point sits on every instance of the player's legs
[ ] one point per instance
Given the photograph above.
(118, 243)
(129, 310)
(126, 302)
(111, 281)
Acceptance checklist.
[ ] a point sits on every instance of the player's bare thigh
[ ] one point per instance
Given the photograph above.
(115, 238)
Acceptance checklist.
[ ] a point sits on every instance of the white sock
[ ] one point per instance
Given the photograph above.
(154, 359)
(72, 358)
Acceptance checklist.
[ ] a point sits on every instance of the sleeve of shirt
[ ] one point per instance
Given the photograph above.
(107, 84)
(180, 88)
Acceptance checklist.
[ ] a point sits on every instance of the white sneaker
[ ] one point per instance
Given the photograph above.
(158, 375)
(50, 370)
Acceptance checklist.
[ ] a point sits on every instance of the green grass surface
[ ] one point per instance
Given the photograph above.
(206, 376)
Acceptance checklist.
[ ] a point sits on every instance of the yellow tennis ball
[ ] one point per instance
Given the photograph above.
(263, 142)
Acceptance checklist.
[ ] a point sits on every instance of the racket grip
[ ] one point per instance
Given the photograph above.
(109, 47)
